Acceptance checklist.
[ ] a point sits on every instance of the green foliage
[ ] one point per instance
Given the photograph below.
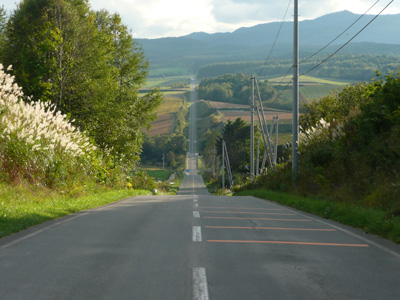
(3, 24)
(86, 64)
(173, 147)
(354, 67)
(140, 180)
(349, 147)
(237, 138)
(232, 88)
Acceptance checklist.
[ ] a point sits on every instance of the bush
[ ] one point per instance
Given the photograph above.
(38, 143)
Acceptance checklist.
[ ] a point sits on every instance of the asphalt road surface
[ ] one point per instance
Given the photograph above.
(196, 246)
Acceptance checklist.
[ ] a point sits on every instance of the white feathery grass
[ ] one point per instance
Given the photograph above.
(321, 130)
(37, 124)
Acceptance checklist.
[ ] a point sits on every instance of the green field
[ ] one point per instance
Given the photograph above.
(166, 81)
(169, 105)
(311, 92)
(306, 80)
(167, 72)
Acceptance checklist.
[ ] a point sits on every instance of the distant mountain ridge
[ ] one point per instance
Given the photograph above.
(252, 43)
(384, 30)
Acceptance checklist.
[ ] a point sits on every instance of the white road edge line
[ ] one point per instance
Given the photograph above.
(383, 248)
(196, 236)
(196, 214)
(40, 231)
(200, 289)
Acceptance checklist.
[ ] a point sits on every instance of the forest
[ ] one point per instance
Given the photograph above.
(347, 67)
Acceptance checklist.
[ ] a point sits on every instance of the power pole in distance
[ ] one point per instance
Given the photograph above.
(252, 131)
(295, 123)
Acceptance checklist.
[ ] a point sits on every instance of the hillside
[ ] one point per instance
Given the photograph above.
(253, 43)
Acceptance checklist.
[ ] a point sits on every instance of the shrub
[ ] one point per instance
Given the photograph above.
(37, 142)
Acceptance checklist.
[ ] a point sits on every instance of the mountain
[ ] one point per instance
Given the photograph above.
(253, 43)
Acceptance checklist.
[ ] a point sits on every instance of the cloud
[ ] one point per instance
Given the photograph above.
(239, 11)
(158, 18)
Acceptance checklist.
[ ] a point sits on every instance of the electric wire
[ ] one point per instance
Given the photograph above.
(276, 39)
(344, 45)
(330, 43)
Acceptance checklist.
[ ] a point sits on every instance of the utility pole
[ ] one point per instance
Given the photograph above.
(258, 158)
(223, 166)
(252, 131)
(213, 161)
(163, 158)
(295, 123)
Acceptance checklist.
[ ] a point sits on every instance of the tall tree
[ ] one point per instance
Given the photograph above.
(236, 136)
(87, 64)
(3, 23)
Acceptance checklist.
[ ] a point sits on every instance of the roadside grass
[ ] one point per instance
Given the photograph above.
(24, 206)
(174, 188)
(162, 175)
(371, 220)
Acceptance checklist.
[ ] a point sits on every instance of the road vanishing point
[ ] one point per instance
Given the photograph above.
(196, 246)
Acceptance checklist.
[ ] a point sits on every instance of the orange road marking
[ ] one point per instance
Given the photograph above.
(291, 243)
(242, 208)
(245, 212)
(299, 220)
(268, 228)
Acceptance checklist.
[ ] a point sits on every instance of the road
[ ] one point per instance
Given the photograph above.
(196, 246)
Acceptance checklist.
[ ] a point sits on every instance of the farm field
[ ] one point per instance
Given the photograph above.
(167, 81)
(307, 80)
(172, 103)
(225, 105)
(245, 115)
(162, 126)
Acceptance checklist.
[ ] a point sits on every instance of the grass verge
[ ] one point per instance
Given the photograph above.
(368, 219)
(21, 207)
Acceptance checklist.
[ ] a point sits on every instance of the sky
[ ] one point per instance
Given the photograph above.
(173, 18)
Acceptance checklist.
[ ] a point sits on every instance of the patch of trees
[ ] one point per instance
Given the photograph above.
(173, 148)
(350, 147)
(84, 62)
(232, 88)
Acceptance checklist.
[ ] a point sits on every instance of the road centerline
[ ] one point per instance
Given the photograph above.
(196, 234)
(200, 289)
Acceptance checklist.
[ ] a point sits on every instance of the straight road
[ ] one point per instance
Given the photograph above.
(196, 246)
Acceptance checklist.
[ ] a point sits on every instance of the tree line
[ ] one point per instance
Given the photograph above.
(342, 66)
(232, 88)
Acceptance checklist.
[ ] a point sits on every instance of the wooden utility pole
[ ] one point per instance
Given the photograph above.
(295, 123)
(252, 131)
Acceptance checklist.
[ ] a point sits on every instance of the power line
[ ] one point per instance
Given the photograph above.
(276, 39)
(316, 66)
(327, 45)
